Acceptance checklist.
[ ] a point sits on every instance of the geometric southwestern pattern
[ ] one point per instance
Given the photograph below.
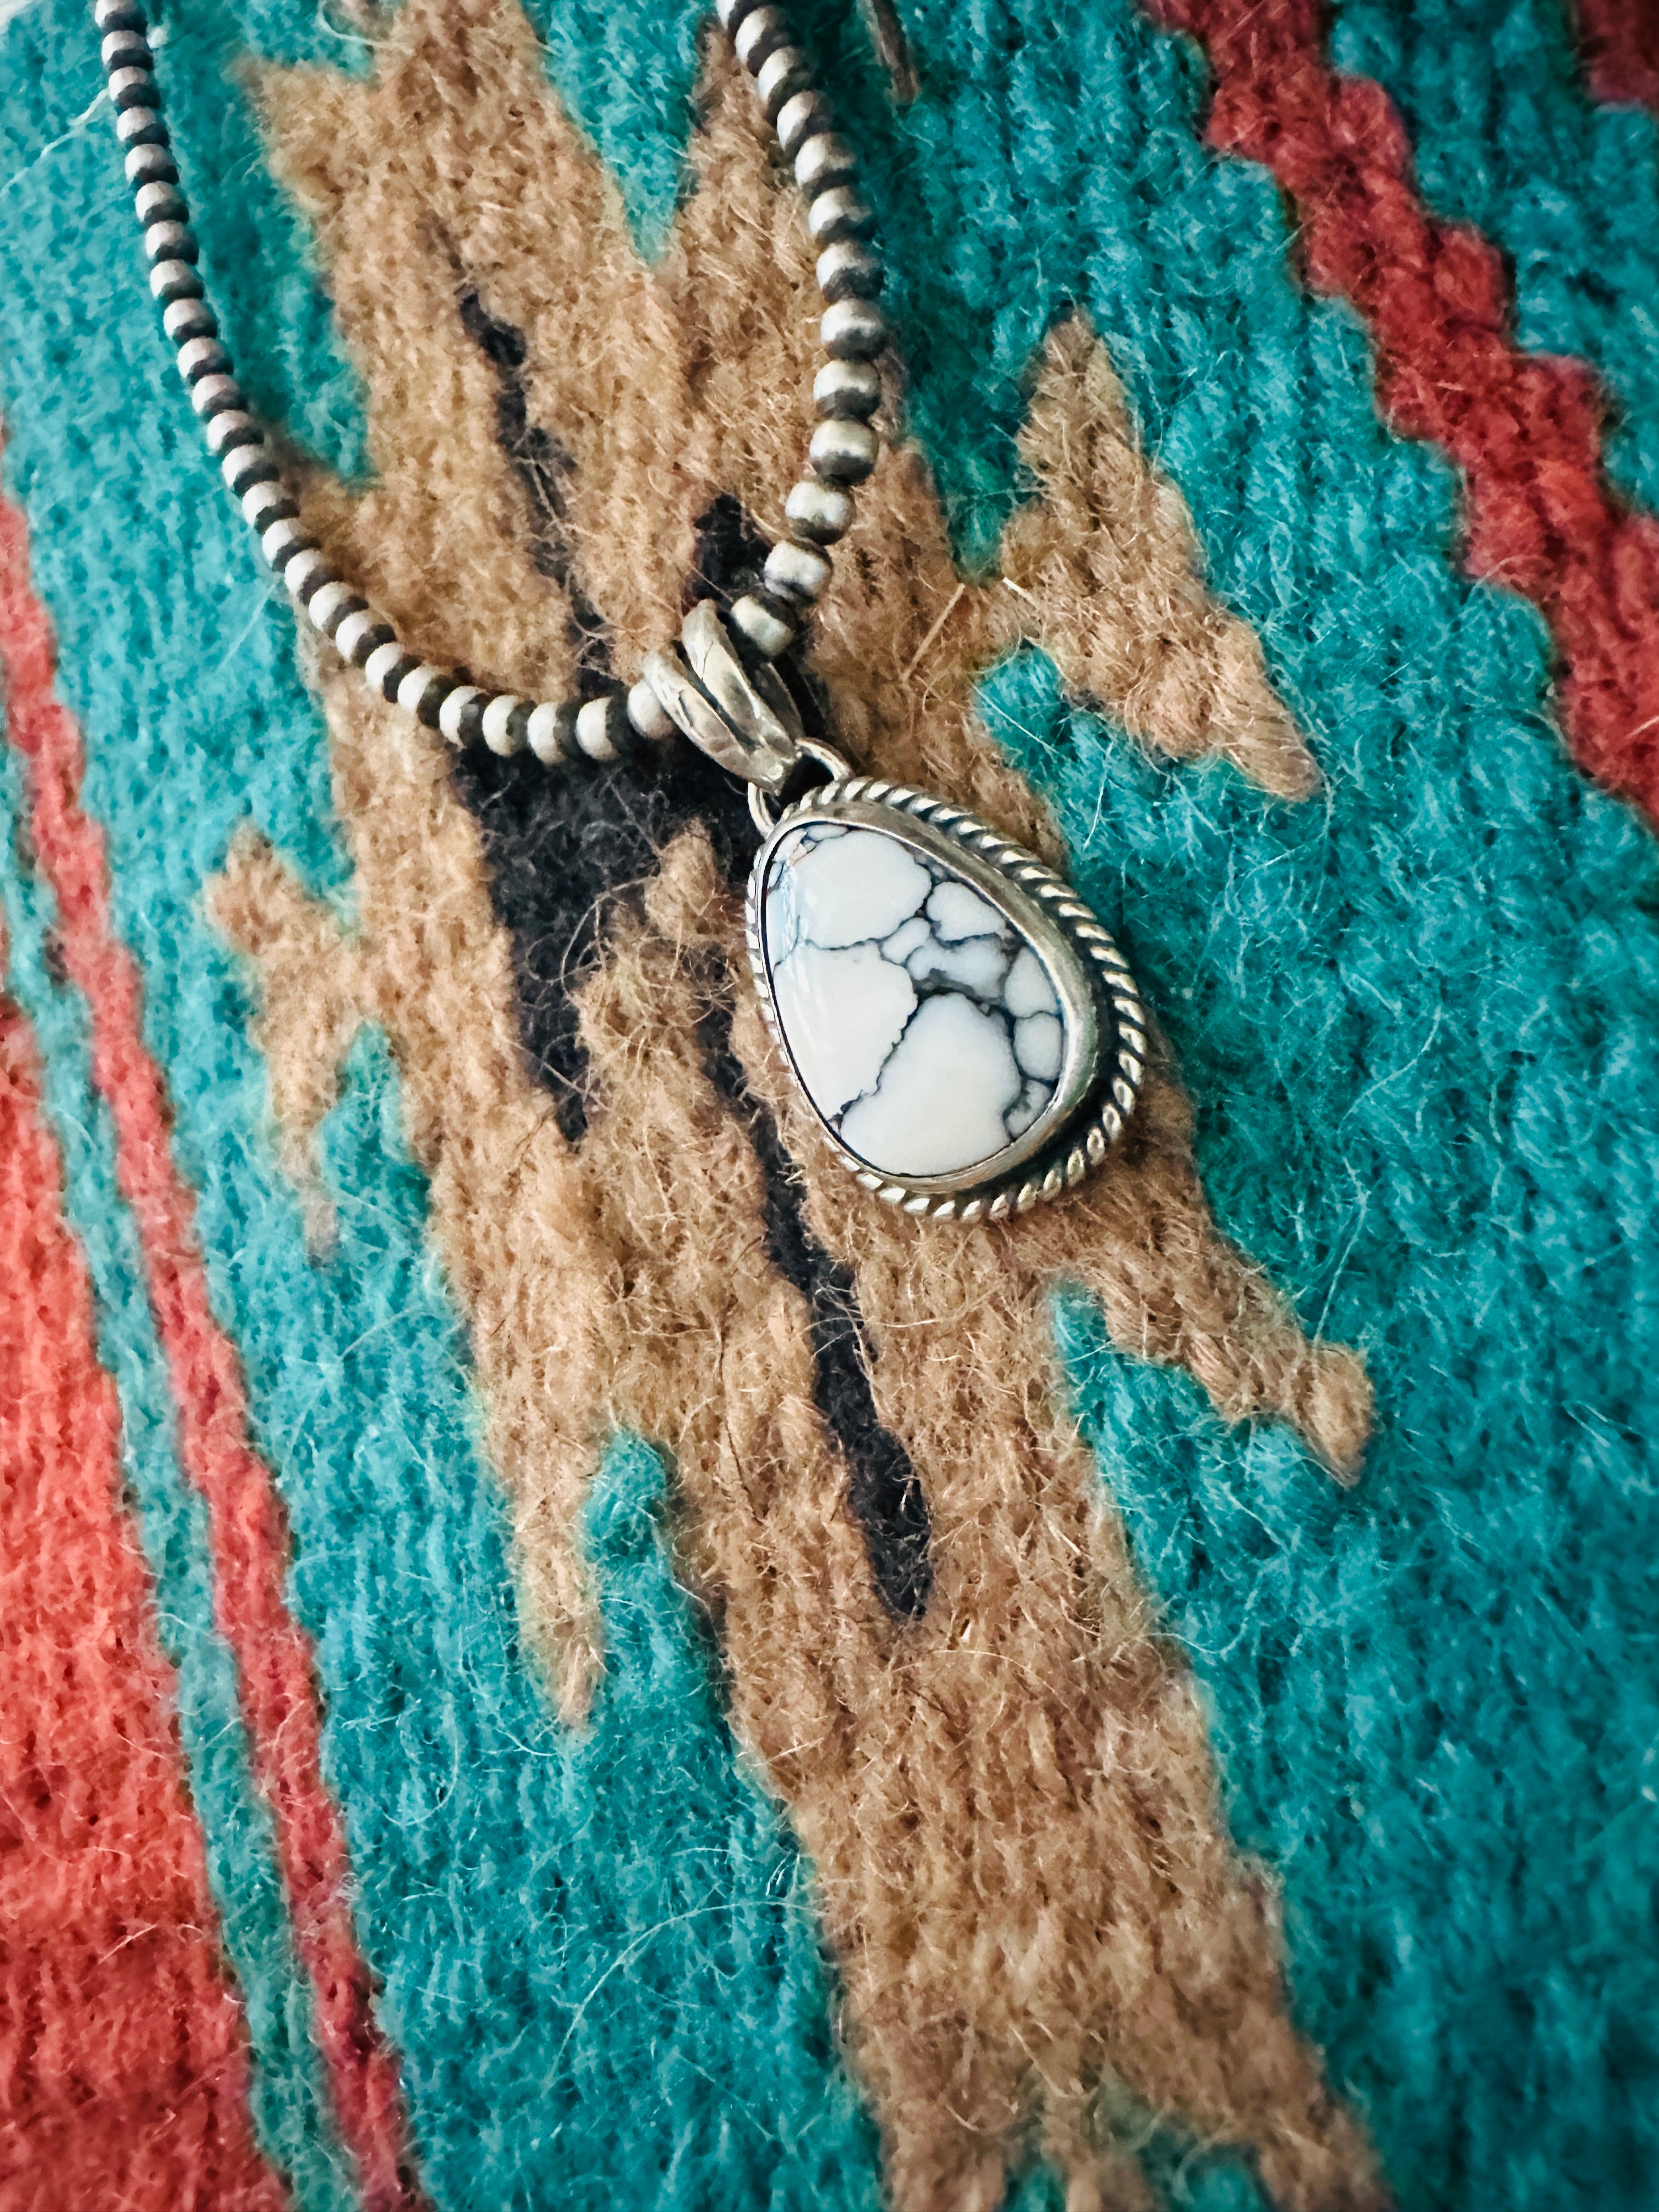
(1524, 430)
(552, 1652)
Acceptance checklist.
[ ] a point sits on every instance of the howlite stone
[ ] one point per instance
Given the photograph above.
(923, 1023)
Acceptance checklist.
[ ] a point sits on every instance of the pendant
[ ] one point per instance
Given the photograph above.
(964, 1029)
(969, 1036)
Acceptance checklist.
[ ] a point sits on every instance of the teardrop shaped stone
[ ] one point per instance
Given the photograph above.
(922, 1022)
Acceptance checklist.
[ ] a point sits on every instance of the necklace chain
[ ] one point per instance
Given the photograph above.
(819, 508)
(716, 685)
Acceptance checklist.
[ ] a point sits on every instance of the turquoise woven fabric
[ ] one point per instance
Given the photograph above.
(1417, 1018)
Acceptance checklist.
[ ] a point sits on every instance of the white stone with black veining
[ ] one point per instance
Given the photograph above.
(923, 1025)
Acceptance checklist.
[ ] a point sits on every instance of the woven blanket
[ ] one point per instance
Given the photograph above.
(555, 1652)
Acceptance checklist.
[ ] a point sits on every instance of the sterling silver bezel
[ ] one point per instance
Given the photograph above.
(1099, 1081)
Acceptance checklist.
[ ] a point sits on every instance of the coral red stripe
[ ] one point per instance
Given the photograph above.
(249, 1525)
(124, 2071)
(1621, 39)
(1523, 428)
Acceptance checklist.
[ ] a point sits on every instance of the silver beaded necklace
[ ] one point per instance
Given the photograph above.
(968, 1034)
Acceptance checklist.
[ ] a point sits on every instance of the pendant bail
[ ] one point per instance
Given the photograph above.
(764, 811)
(741, 716)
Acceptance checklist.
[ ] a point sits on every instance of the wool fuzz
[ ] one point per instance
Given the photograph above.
(866, 1790)
(712, 1853)
(1523, 430)
(664, 1204)
(664, 1200)
(290, 2105)
(438, 1761)
(120, 2044)
(1567, 191)
(454, 154)
(246, 1535)
(1487, 1350)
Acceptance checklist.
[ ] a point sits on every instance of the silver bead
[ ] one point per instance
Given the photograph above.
(194, 319)
(497, 717)
(767, 632)
(211, 395)
(819, 511)
(159, 203)
(544, 734)
(230, 429)
(853, 329)
(848, 271)
(413, 688)
(596, 731)
(731, 13)
(169, 241)
(380, 664)
(761, 32)
(839, 213)
(797, 574)
(455, 704)
(801, 116)
(131, 43)
(175, 278)
(145, 162)
(780, 77)
(243, 466)
(646, 712)
(202, 357)
(279, 539)
(353, 630)
(141, 80)
(106, 11)
(133, 122)
(257, 503)
(844, 453)
(306, 572)
(850, 389)
(825, 160)
(328, 605)
(185, 318)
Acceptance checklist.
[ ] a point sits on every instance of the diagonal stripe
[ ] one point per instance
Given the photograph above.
(1522, 427)
(293, 2115)
(122, 2051)
(1567, 189)
(248, 1524)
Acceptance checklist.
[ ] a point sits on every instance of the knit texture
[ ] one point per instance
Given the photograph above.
(613, 1666)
